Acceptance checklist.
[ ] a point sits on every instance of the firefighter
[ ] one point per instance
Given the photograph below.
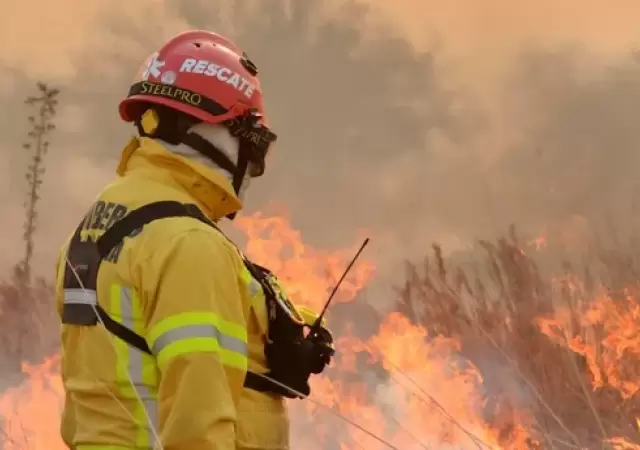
(165, 328)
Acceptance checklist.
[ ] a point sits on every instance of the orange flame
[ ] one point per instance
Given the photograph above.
(605, 331)
(30, 412)
(308, 274)
(612, 356)
(540, 241)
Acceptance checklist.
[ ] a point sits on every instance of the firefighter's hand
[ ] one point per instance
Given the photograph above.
(323, 349)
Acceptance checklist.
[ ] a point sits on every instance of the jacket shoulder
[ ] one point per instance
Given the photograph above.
(189, 234)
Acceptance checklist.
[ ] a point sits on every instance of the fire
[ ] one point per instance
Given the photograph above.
(432, 396)
(605, 331)
(402, 388)
(30, 412)
(612, 359)
(540, 241)
(308, 274)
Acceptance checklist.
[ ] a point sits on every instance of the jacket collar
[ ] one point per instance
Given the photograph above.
(211, 190)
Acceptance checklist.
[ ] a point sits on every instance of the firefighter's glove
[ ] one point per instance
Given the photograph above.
(292, 363)
(321, 338)
(323, 351)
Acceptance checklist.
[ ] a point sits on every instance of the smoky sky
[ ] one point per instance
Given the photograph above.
(417, 123)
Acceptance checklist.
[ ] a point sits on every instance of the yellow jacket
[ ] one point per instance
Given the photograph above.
(183, 286)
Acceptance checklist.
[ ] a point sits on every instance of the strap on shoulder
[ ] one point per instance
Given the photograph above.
(144, 215)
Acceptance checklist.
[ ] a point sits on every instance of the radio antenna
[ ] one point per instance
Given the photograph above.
(318, 323)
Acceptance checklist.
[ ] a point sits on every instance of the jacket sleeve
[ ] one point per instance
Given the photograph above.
(197, 332)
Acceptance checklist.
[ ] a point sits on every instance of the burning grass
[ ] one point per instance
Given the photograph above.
(496, 355)
(558, 354)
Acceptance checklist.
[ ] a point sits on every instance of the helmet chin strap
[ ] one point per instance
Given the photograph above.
(215, 147)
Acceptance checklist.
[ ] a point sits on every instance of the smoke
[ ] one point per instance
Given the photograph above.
(483, 39)
(418, 122)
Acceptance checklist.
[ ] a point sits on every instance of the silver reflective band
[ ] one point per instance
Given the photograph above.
(254, 287)
(147, 394)
(80, 296)
(196, 331)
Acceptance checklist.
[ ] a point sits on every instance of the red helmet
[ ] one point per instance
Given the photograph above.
(203, 75)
